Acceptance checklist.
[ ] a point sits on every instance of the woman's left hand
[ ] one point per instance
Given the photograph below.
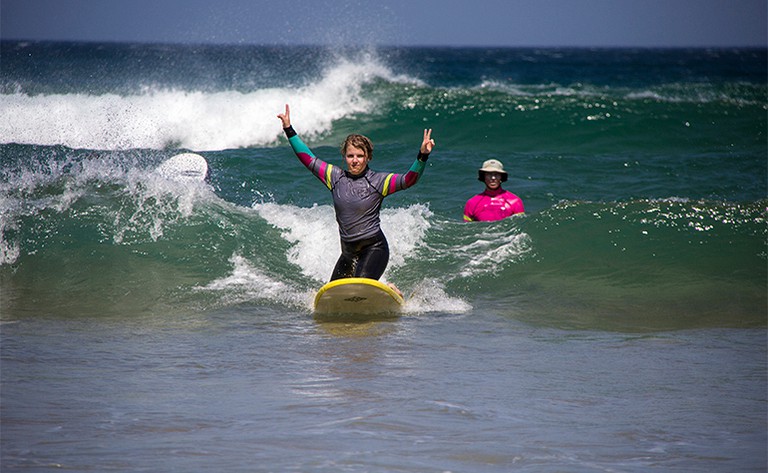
(428, 143)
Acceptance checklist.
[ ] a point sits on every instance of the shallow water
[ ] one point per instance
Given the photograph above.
(250, 388)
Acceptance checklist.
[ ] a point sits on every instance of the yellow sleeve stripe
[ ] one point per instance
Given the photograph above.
(385, 191)
(328, 176)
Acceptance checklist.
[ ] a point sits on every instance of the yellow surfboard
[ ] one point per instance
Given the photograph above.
(357, 296)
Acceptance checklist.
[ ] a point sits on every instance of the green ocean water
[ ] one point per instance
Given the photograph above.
(618, 325)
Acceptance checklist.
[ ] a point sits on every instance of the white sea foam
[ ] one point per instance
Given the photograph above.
(493, 247)
(430, 296)
(246, 282)
(148, 201)
(315, 238)
(315, 235)
(202, 121)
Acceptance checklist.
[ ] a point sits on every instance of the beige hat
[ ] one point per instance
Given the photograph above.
(492, 165)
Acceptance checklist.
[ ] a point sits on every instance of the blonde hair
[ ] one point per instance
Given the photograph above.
(360, 142)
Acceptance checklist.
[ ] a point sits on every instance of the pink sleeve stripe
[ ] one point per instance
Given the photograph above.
(411, 178)
(325, 174)
(305, 158)
(321, 171)
(390, 184)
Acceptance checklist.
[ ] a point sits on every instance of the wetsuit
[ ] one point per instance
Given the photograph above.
(357, 201)
(492, 205)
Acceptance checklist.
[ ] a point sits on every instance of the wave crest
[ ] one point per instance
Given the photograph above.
(161, 118)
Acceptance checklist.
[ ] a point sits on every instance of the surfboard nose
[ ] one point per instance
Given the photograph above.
(357, 296)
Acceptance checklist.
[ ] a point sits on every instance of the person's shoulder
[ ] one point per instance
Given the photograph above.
(376, 176)
(477, 196)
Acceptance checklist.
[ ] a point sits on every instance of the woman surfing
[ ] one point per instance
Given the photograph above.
(357, 194)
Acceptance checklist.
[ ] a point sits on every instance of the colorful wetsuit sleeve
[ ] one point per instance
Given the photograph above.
(397, 182)
(318, 167)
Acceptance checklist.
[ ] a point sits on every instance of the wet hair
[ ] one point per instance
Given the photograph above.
(358, 141)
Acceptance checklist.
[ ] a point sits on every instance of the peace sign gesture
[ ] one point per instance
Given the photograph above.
(428, 143)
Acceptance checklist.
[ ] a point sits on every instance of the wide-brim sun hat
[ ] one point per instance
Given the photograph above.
(492, 165)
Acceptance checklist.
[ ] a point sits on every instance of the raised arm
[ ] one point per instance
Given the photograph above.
(404, 181)
(318, 167)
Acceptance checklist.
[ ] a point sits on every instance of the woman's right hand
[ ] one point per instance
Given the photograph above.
(428, 143)
(285, 117)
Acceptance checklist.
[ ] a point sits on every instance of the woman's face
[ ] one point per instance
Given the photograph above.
(492, 180)
(356, 160)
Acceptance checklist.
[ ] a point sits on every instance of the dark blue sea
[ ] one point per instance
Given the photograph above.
(619, 325)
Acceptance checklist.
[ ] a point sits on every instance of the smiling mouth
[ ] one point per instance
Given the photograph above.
(356, 168)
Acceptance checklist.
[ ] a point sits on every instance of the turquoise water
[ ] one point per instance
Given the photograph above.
(150, 325)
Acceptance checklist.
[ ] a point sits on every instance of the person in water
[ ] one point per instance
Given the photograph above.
(357, 196)
(494, 203)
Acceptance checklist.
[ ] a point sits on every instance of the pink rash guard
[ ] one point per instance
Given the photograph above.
(492, 205)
